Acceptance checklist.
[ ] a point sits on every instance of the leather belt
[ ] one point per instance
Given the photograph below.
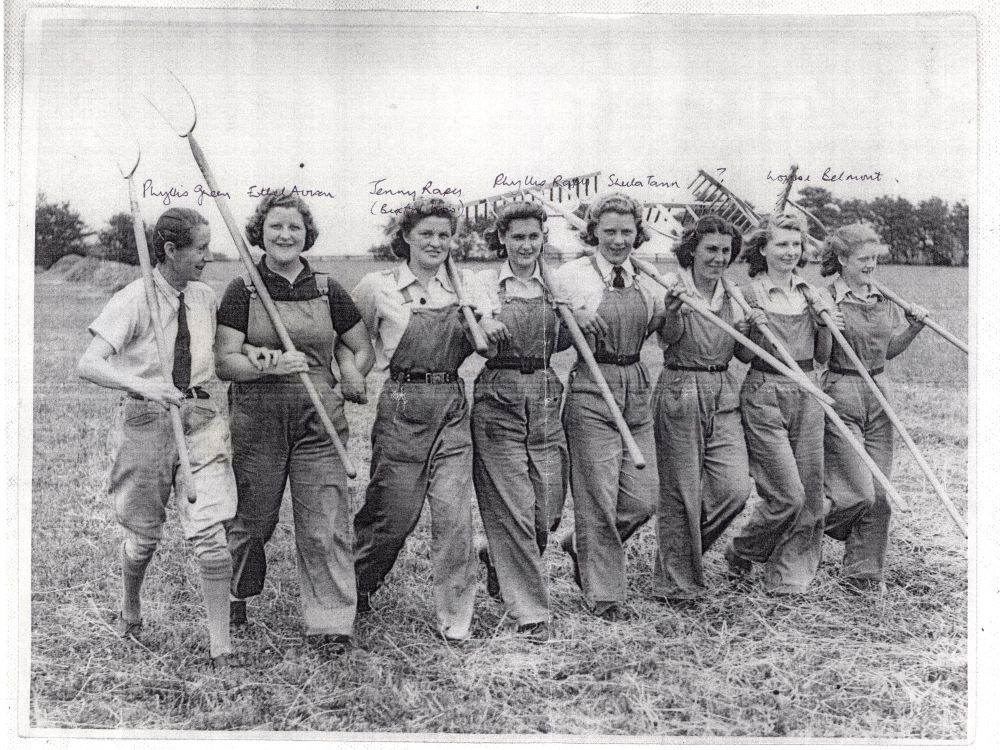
(195, 391)
(422, 376)
(845, 371)
(806, 365)
(526, 365)
(607, 358)
(697, 368)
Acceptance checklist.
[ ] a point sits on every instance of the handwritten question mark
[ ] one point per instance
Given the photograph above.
(721, 171)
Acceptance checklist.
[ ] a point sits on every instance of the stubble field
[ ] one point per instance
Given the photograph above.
(827, 664)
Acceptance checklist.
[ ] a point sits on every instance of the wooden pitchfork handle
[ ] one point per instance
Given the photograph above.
(702, 309)
(152, 303)
(583, 350)
(927, 321)
(737, 294)
(478, 337)
(813, 298)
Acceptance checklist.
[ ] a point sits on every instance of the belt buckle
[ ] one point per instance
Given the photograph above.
(435, 378)
(526, 366)
(620, 360)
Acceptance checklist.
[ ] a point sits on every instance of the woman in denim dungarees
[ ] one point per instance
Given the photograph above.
(877, 331)
(617, 309)
(783, 425)
(277, 436)
(520, 464)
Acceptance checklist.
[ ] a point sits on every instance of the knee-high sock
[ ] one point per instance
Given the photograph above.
(133, 573)
(216, 572)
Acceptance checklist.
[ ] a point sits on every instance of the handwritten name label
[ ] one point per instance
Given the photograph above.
(173, 192)
(650, 181)
(830, 174)
(259, 192)
(427, 190)
(530, 181)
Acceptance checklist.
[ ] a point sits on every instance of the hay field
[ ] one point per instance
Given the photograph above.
(828, 664)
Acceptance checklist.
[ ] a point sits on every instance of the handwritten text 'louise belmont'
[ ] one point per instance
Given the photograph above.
(829, 175)
(168, 195)
(427, 190)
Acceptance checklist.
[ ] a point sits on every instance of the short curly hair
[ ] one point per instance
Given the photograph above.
(709, 224)
(844, 242)
(507, 215)
(414, 213)
(617, 203)
(175, 225)
(255, 224)
(753, 249)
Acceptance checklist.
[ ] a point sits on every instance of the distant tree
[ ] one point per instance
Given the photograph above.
(941, 245)
(117, 241)
(895, 220)
(821, 204)
(59, 231)
(959, 221)
(382, 252)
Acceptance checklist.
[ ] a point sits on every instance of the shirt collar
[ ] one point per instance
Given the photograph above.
(506, 272)
(405, 277)
(607, 269)
(686, 275)
(266, 273)
(164, 286)
(769, 284)
(842, 289)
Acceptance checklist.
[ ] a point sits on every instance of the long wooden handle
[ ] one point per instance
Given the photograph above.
(737, 294)
(187, 479)
(928, 321)
(478, 337)
(265, 298)
(583, 350)
(889, 411)
(702, 309)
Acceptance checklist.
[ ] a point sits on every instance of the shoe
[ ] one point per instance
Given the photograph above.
(127, 628)
(329, 644)
(567, 547)
(536, 632)
(232, 660)
(492, 582)
(238, 613)
(611, 613)
(739, 567)
(364, 605)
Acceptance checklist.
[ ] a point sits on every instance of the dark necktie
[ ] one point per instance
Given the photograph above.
(619, 280)
(182, 349)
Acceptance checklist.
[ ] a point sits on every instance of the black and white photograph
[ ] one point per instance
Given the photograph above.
(452, 374)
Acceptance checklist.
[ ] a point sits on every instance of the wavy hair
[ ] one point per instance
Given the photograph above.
(414, 213)
(762, 234)
(175, 225)
(617, 203)
(255, 224)
(507, 215)
(710, 224)
(843, 242)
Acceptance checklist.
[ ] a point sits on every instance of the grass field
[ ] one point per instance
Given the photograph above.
(828, 664)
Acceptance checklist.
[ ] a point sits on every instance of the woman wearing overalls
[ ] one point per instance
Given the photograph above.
(277, 435)
(877, 331)
(520, 463)
(783, 425)
(421, 444)
(617, 309)
(700, 452)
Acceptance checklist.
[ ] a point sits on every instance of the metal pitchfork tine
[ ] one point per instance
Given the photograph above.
(138, 228)
(265, 297)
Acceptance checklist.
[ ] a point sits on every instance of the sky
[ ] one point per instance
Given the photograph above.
(334, 102)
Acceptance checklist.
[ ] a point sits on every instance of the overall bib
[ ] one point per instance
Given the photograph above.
(859, 513)
(421, 448)
(520, 464)
(278, 437)
(783, 426)
(700, 452)
(611, 497)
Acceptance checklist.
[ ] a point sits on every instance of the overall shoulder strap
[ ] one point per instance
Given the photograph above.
(322, 283)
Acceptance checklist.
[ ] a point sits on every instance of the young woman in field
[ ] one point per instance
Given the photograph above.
(520, 462)
(877, 331)
(123, 355)
(617, 309)
(277, 435)
(701, 455)
(783, 424)
(421, 444)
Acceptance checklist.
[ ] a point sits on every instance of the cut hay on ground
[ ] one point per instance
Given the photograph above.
(104, 274)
